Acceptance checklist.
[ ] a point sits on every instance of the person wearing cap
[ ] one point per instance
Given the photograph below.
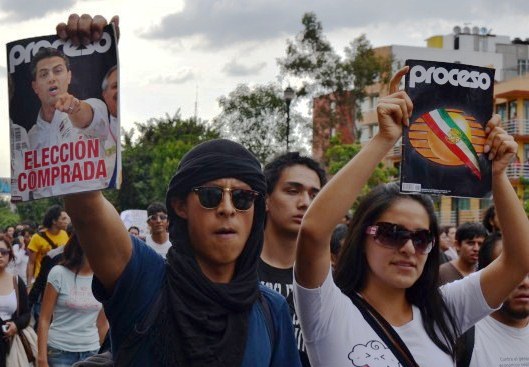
(213, 311)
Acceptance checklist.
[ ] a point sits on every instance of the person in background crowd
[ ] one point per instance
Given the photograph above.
(292, 182)
(469, 238)
(490, 220)
(383, 304)
(20, 251)
(79, 324)
(54, 235)
(337, 239)
(134, 231)
(29, 224)
(502, 338)
(158, 238)
(52, 258)
(10, 319)
(447, 241)
(444, 245)
(9, 232)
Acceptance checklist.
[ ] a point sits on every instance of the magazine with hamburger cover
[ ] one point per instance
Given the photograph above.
(442, 149)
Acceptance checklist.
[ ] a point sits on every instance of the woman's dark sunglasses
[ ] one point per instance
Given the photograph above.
(4, 251)
(395, 236)
(210, 197)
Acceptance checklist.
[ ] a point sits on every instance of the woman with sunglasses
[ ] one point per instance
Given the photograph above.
(384, 287)
(14, 308)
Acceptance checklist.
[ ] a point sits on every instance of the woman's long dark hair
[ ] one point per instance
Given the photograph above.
(73, 255)
(352, 267)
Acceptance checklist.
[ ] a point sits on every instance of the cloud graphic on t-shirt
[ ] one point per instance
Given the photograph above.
(373, 354)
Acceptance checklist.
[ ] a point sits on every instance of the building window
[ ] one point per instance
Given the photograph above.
(461, 203)
(512, 110)
(523, 66)
(485, 203)
(501, 109)
(366, 133)
(373, 101)
(526, 109)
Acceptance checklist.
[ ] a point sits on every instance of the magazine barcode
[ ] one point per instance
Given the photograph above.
(406, 186)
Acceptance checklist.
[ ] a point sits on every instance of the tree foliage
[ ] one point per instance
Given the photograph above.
(256, 118)
(326, 74)
(151, 160)
(7, 217)
(35, 210)
(339, 154)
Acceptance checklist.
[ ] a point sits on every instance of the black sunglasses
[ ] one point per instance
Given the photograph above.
(155, 217)
(210, 197)
(395, 236)
(4, 251)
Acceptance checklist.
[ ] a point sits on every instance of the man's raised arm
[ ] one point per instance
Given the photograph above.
(102, 235)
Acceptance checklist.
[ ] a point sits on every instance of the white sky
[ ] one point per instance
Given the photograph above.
(172, 50)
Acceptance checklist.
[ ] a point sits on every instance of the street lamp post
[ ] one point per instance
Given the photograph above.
(288, 96)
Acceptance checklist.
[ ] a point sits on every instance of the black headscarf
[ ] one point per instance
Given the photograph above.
(205, 323)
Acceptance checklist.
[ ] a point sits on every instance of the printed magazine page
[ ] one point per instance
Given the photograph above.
(442, 149)
(63, 116)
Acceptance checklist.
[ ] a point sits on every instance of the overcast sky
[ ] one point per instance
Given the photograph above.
(174, 50)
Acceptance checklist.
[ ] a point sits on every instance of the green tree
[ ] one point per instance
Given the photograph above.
(339, 154)
(327, 75)
(7, 216)
(256, 118)
(35, 210)
(151, 160)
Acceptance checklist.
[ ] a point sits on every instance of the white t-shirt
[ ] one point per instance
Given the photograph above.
(60, 130)
(161, 249)
(75, 314)
(336, 334)
(20, 262)
(8, 305)
(499, 345)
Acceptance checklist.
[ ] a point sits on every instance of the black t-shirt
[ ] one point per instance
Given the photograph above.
(281, 281)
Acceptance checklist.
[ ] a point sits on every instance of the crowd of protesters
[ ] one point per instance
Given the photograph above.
(252, 267)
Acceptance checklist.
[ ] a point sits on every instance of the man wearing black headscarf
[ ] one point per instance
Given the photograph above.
(213, 311)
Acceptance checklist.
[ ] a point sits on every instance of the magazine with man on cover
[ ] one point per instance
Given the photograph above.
(63, 116)
(442, 149)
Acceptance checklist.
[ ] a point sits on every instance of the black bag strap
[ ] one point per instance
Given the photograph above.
(465, 347)
(384, 330)
(15, 285)
(45, 236)
(268, 319)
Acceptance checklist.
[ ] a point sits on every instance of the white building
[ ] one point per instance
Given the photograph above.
(473, 46)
